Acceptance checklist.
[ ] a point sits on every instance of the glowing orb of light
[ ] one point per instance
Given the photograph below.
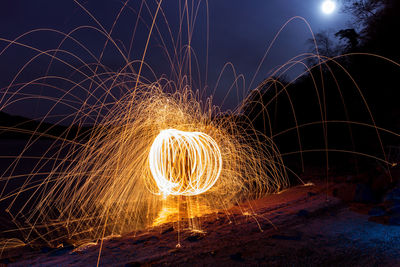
(184, 163)
(328, 6)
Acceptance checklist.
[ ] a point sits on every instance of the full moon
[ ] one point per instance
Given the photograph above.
(328, 6)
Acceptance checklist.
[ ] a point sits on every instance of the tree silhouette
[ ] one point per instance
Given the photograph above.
(331, 91)
(351, 36)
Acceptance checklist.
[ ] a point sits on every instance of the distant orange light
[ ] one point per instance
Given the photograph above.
(184, 163)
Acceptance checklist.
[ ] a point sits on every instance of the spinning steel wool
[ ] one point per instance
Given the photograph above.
(184, 163)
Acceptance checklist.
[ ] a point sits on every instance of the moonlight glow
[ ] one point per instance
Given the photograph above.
(184, 163)
(328, 6)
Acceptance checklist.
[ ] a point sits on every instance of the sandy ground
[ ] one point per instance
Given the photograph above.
(302, 226)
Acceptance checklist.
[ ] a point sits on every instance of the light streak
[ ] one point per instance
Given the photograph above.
(184, 163)
(157, 151)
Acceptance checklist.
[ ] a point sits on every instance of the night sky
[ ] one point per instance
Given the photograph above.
(240, 32)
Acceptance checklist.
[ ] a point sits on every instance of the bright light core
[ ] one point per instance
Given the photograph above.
(328, 7)
(184, 163)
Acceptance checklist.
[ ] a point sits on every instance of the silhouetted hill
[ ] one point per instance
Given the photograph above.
(17, 127)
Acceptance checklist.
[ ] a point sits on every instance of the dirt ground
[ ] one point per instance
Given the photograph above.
(302, 226)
